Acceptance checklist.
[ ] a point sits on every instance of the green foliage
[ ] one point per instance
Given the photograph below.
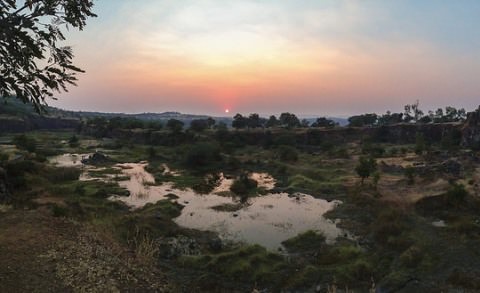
(285, 139)
(239, 121)
(3, 157)
(243, 185)
(307, 241)
(73, 141)
(35, 63)
(24, 142)
(272, 122)
(289, 120)
(199, 125)
(287, 153)
(59, 211)
(323, 122)
(246, 264)
(61, 174)
(363, 120)
(202, 155)
(456, 194)
(366, 166)
(175, 125)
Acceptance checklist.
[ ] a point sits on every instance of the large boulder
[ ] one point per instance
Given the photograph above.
(471, 130)
(97, 158)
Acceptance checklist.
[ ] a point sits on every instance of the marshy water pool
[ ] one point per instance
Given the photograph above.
(266, 220)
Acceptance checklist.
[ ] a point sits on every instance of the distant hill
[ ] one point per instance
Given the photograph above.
(15, 108)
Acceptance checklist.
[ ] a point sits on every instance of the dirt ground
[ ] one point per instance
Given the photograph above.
(42, 253)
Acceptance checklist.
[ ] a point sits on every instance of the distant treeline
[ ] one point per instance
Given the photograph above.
(412, 114)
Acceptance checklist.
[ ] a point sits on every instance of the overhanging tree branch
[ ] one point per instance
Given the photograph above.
(26, 43)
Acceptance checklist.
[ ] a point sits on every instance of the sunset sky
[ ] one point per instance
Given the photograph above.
(320, 57)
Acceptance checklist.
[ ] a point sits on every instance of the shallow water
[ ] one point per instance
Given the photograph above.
(266, 220)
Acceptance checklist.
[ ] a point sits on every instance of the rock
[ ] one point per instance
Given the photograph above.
(96, 159)
(471, 130)
(173, 247)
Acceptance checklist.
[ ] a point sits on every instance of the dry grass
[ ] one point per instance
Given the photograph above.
(146, 249)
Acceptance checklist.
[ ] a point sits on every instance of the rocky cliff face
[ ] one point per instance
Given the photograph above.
(471, 130)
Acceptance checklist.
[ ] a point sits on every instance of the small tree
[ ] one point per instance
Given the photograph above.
(323, 122)
(366, 166)
(272, 122)
(175, 125)
(239, 121)
(289, 120)
(456, 194)
(199, 125)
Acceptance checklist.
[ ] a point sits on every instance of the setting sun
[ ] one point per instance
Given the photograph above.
(227, 111)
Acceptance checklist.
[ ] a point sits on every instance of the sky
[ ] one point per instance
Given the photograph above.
(310, 57)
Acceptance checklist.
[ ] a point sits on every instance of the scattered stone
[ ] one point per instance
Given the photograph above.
(173, 247)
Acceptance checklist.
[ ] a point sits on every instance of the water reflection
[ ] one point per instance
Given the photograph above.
(266, 220)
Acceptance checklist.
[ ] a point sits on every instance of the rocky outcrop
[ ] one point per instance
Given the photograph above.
(97, 158)
(471, 130)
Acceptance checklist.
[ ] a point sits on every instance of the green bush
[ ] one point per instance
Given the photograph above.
(243, 185)
(59, 211)
(456, 194)
(366, 166)
(287, 153)
(24, 142)
(62, 174)
(306, 241)
(202, 155)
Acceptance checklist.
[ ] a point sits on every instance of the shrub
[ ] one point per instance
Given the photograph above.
(24, 142)
(306, 241)
(366, 166)
(203, 154)
(73, 141)
(59, 211)
(243, 185)
(456, 194)
(287, 153)
(285, 139)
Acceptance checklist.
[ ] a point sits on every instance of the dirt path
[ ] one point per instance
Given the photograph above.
(42, 253)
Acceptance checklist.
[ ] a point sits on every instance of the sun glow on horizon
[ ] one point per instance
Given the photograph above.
(273, 56)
